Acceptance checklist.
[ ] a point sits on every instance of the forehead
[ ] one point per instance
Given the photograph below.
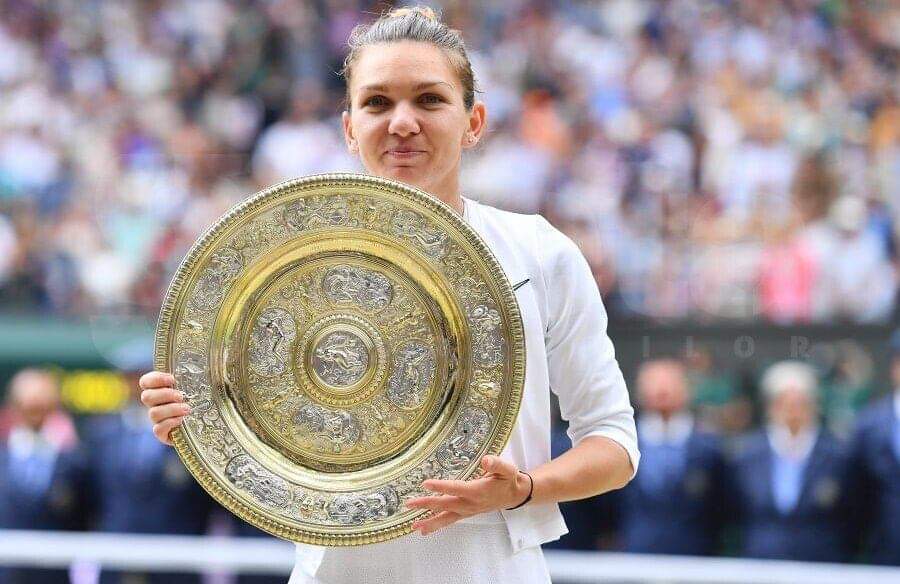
(402, 65)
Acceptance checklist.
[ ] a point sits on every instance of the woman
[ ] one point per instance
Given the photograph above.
(411, 111)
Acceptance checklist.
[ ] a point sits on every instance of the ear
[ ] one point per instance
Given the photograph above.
(477, 125)
(352, 145)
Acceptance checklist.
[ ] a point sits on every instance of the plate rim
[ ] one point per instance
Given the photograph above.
(173, 295)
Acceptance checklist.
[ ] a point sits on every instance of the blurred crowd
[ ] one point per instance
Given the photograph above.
(805, 466)
(714, 159)
(104, 473)
(812, 474)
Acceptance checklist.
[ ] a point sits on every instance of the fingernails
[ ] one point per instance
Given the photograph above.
(186, 409)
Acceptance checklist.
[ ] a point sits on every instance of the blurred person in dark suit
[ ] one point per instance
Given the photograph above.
(677, 502)
(792, 476)
(876, 471)
(140, 485)
(590, 521)
(41, 477)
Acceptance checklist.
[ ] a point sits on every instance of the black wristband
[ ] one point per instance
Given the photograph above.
(530, 491)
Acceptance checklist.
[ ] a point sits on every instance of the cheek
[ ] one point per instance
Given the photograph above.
(367, 133)
(448, 134)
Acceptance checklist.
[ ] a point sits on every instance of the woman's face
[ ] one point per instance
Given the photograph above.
(407, 119)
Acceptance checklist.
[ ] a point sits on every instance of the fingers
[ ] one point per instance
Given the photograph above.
(497, 465)
(442, 503)
(158, 397)
(157, 379)
(161, 413)
(439, 521)
(163, 429)
(456, 488)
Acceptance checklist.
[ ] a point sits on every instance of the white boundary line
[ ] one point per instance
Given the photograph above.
(270, 556)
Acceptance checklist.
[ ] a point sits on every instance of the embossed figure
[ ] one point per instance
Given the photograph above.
(216, 279)
(414, 368)
(358, 509)
(486, 338)
(368, 289)
(312, 212)
(411, 112)
(249, 476)
(471, 430)
(340, 359)
(412, 226)
(336, 428)
(270, 342)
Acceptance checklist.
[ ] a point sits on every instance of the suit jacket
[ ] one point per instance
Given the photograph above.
(57, 504)
(54, 503)
(876, 483)
(681, 516)
(816, 529)
(140, 484)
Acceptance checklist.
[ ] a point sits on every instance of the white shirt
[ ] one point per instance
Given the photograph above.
(789, 446)
(568, 352)
(656, 430)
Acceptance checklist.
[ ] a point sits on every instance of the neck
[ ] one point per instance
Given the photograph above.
(454, 200)
(448, 192)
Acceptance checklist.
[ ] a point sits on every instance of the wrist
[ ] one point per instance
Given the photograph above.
(524, 489)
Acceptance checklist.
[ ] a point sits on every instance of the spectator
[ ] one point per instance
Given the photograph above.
(791, 478)
(140, 484)
(876, 471)
(590, 521)
(717, 403)
(42, 484)
(858, 281)
(677, 502)
(680, 133)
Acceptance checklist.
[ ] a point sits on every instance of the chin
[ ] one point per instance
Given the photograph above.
(410, 176)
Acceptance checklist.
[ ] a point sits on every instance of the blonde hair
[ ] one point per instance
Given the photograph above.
(419, 24)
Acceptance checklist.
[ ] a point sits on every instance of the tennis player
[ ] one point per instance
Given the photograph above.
(411, 111)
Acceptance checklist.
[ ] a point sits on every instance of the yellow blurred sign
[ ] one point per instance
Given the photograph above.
(92, 391)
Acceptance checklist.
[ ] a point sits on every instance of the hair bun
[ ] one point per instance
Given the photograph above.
(423, 11)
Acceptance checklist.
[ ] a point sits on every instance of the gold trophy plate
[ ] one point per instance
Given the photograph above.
(340, 338)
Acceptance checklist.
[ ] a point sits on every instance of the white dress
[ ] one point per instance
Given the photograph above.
(463, 553)
(569, 353)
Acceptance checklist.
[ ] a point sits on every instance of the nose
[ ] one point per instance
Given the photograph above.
(403, 120)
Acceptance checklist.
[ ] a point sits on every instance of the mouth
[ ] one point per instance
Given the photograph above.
(403, 154)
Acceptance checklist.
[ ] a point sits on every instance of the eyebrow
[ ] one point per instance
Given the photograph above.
(423, 85)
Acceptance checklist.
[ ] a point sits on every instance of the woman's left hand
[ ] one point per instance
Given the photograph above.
(501, 487)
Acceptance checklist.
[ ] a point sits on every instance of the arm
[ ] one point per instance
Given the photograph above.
(594, 466)
(592, 395)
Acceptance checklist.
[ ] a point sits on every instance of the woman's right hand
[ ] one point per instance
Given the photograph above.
(167, 407)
